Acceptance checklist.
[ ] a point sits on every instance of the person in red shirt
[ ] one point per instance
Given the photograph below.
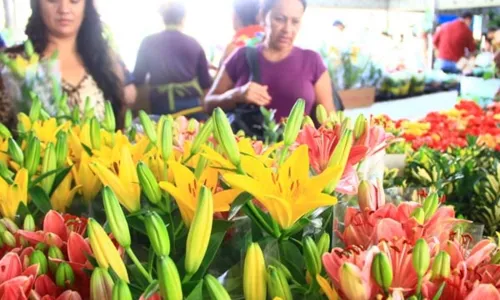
(451, 42)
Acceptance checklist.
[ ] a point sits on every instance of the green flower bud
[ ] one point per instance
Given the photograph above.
(168, 279)
(294, 123)
(128, 120)
(149, 185)
(167, 136)
(226, 138)
(215, 289)
(32, 155)
(148, 127)
(61, 148)
(308, 122)
(36, 108)
(321, 114)
(323, 244)
(49, 164)
(95, 133)
(29, 223)
(199, 231)
(121, 291)
(441, 267)
(339, 157)
(157, 233)
(8, 239)
(41, 246)
(431, 204)
(101, 284)
(116, 218)
(29, 49)
(109, 123)
(75, 115)
(54, 253)
(382, 271)
(421, 257)
(4, 132)
(38, 257)
(311, 256)
(15, 152)
(202, 136)
(419, 215)
(64, 275)
(277, 284)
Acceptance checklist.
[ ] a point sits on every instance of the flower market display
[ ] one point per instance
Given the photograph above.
(188, 210)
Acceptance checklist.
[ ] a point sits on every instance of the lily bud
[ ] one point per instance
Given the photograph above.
(4, 132)
(308, 122)
(95, 133)
(148, 127)
(9, 224)
(339, 158)
(294, 122)
(277, 284)
(254, 274)
(321, 114)
(38, 257)
(419, 215)
(192, 125)
(49, 164)
(75, 115)
(64, 275)
(109, 123)
(121, 291)
(8, 239)
(36, 108)
(351, 282)
(431, 204)
(104, 250)
(199, 231)
(61, 148)
(168, 279)
(202, 136)
(226, 138)
(311, 256)
(147, 180)
(157, 233)
(167, 136)
(382, 271)
(421, 257)
(15, 152)
(101, 285)
(116, 218)
(32, 157)
(29, 223)
(360, 126)
(441, 267)
(54, 253)
(323, 244)
(128, 120)
(215, 289)
(29, 49)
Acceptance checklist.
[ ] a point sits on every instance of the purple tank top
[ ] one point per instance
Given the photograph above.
(288, 80)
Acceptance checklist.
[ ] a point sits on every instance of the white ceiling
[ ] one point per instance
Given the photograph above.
(418, 5)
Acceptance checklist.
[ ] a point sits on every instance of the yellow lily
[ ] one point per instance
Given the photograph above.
(84, 177)
(46, 131)
(187, 188)
(64, 194)
(11, 195)
(327, 288)
(125, 184)
(289, 193)
(4, 147)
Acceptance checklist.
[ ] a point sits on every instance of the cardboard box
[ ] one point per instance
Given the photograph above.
(363, 97)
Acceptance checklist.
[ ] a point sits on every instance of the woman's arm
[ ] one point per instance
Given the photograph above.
(324, 93)
(222, 94)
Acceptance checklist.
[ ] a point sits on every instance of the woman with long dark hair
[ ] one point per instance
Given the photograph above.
(88, 67)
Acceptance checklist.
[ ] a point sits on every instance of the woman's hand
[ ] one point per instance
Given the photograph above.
(254, 93)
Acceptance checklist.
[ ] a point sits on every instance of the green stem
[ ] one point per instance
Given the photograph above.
(187, 278)
(136, 261)
(283, 153)
(419, 285)
(261, 220)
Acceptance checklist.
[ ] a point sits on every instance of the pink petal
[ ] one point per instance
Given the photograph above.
(32, 237)
(22, 282)
(77, 248)
(388, 229)
(10, 267)
(484, 291)
(45, 286)
(69, 295)
(31, 271)
(479, 253)
(54, 223)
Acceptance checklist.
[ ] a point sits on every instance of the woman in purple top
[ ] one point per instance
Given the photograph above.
(287, 72)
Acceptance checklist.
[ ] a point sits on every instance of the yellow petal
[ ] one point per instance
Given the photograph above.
(21, 180)
(296, 167)
(311, 203)
(256, 169)
(223, 200)
(247, 184)
(215, 157)
(209, 178)
(183, 177)
(181, 196)
(327, 288)
(280, 209)
(320, 181)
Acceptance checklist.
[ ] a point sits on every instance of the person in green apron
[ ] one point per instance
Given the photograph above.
(175, 64)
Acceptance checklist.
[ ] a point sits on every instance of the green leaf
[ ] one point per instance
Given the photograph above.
(238, 203)
(439, 292)
(45, 175)
(197, 292)
(292, 258)
(137, 224)
(60, 177)
(22, 211)
(40, 199)
(152, 289)
(219, 229)
(87, 149)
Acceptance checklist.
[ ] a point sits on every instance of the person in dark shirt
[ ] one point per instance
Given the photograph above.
(2, 43)
(451, 40)
(175, 64)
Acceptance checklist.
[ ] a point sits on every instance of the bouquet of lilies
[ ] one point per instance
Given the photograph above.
(91, 212)
(30, 80)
